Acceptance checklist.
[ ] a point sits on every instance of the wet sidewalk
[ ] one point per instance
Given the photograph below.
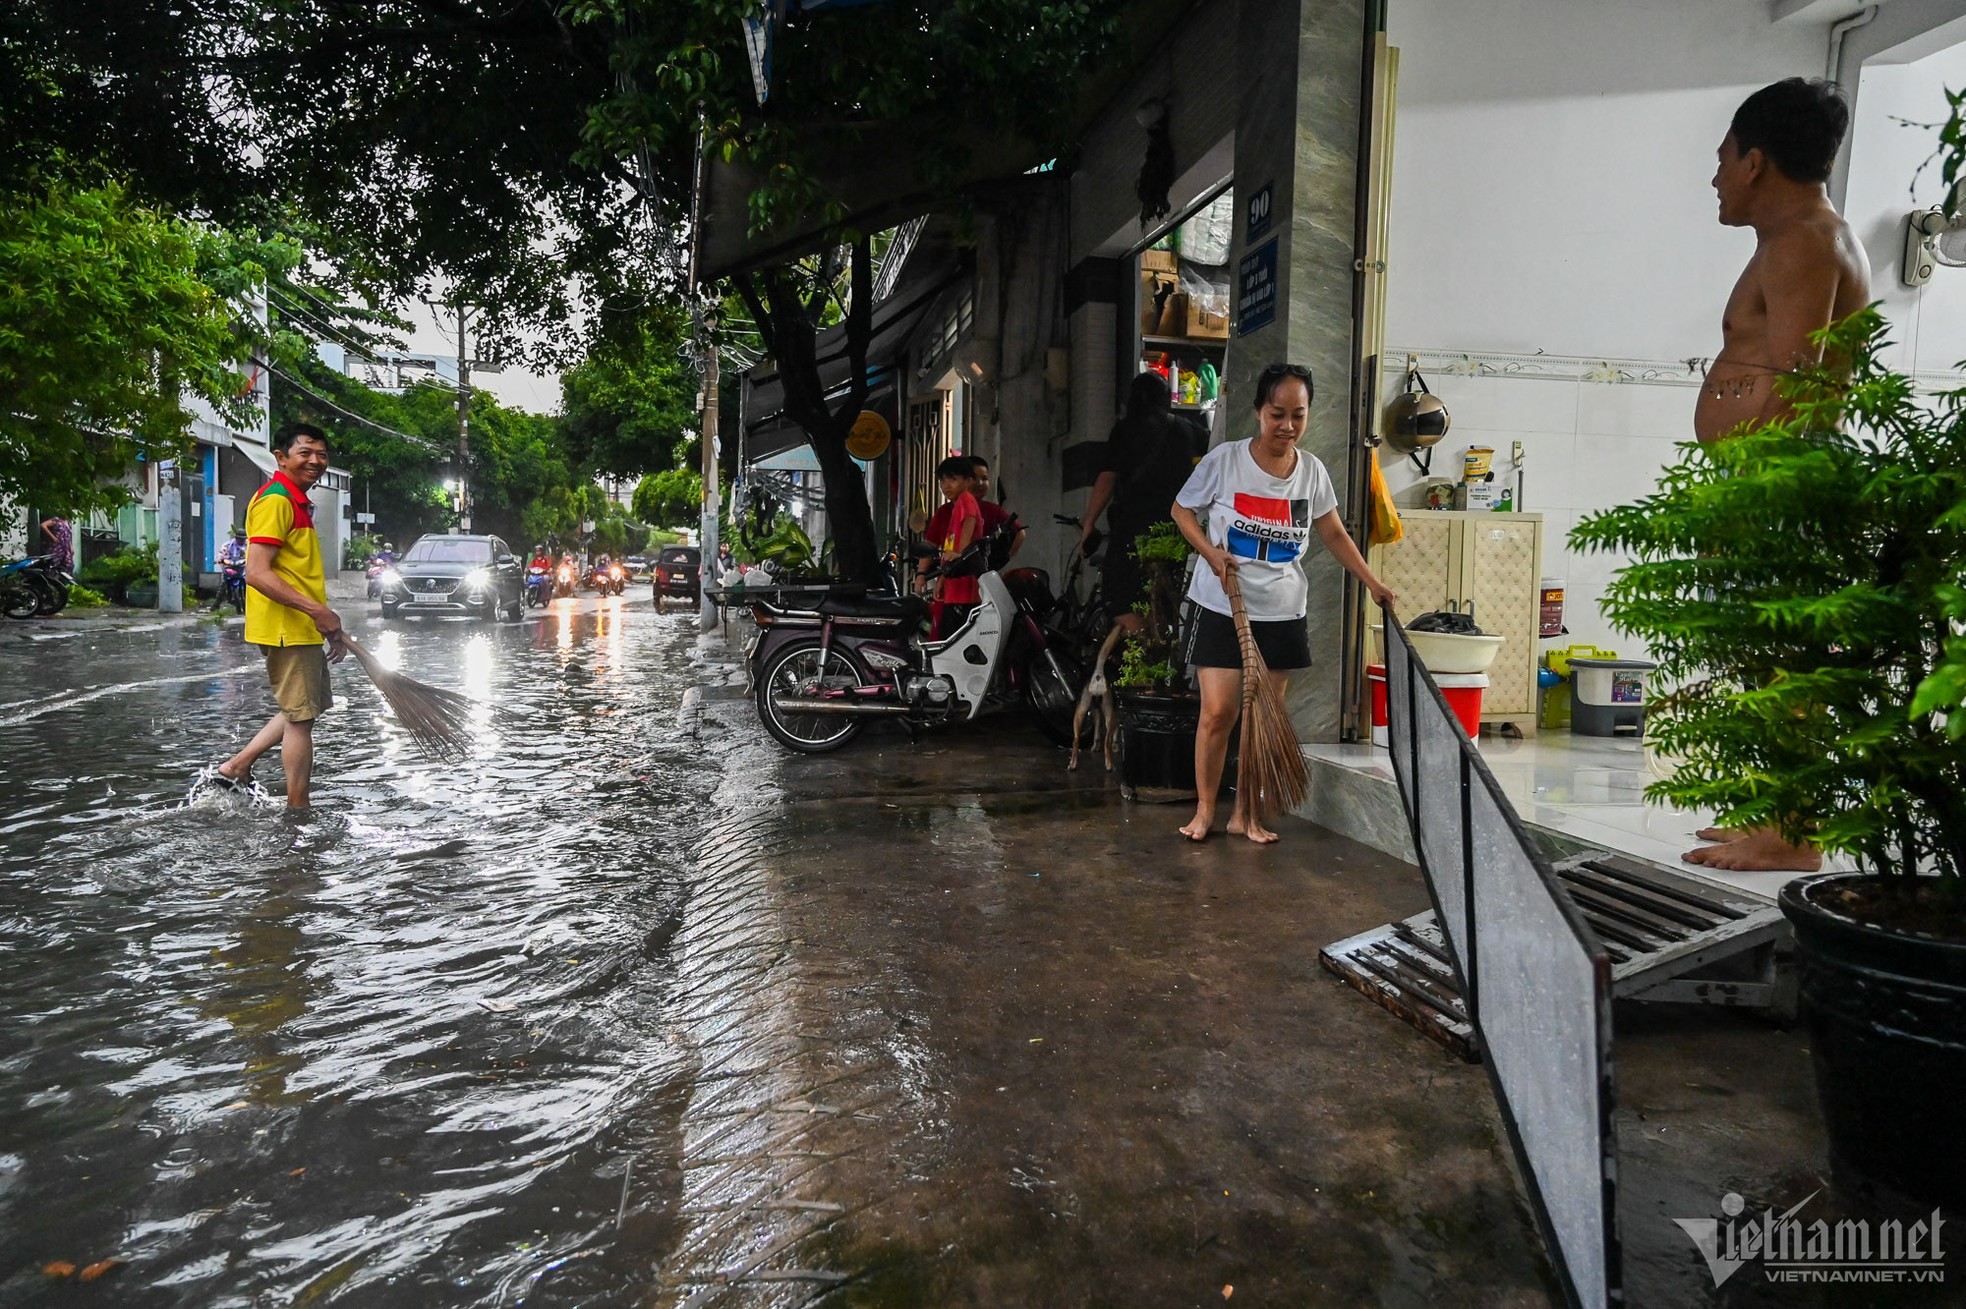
(976, 1032)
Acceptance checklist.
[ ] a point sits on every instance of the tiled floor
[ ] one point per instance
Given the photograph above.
(1587, 787)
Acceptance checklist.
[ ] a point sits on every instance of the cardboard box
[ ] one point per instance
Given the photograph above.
(1174, 317)
(1207, 326)
(1150, 317)
(1159, 261)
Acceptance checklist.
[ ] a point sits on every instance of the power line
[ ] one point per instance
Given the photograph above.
(349, 414)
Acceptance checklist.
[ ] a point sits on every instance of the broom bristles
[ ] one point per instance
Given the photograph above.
(1272, 773)
(437, 720)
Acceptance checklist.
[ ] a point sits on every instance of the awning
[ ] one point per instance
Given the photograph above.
(799, 459)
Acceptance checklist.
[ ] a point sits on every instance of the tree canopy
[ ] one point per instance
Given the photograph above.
(111, 318)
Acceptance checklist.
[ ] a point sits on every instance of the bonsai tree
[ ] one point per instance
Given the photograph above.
(1146, 655)
(1802, 587)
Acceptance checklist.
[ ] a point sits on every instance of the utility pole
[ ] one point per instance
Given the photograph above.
(463, 420)
(707, 547)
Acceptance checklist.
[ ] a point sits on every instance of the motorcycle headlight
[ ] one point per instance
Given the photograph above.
(477, 579)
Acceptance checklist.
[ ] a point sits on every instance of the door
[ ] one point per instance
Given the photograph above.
(1503, 556)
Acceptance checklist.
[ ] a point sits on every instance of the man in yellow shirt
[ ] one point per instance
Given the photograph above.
(287, 614)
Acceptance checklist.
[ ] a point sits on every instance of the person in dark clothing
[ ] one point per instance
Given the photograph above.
(1147, 461)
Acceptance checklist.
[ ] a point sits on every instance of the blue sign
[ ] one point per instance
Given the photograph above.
(1256, 214)
(1256, 288)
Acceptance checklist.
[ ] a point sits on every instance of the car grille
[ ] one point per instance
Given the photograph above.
(432, 585)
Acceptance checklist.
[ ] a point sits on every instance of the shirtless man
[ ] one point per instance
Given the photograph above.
(1808, 271)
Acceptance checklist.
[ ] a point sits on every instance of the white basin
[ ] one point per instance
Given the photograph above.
(1446, 652)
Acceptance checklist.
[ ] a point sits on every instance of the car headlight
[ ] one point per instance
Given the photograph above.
(390, 577)
(477, 579)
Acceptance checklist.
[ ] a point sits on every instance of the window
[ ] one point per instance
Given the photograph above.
(448, 550)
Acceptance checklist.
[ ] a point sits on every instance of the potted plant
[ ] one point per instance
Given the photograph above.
(1803, 588)
(1158, 710)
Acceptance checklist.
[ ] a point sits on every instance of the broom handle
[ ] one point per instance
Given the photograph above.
(1245, 639)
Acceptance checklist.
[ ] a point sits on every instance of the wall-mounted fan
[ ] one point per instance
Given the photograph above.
(1933, 240)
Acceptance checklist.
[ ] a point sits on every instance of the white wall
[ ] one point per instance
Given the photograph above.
(1552, 193)
(1929, 322)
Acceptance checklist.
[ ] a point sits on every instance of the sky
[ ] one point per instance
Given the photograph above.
(515, 387)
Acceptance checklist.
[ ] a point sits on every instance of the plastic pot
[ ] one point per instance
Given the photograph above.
(1886, 1013)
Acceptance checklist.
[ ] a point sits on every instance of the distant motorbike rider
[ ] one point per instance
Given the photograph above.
(232, 567)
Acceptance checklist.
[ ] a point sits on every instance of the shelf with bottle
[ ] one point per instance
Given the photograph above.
(1193, 381)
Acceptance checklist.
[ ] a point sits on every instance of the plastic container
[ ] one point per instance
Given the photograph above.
(1607, 696)
(1476, 463)
(1558, 660)
(1375, 678)
(1463, 693)
(1551, 613)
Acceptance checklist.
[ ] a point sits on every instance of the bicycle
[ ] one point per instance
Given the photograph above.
(1082, 623)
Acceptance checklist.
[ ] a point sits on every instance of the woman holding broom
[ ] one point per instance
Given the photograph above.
(1262, 498)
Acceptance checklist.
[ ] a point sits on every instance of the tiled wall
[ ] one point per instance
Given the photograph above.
(1586, 445)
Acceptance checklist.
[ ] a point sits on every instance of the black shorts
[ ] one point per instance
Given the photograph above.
(1284, 643)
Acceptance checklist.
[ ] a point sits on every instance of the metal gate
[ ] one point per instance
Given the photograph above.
(1535, 981)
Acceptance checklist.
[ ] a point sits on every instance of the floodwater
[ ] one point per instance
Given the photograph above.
(403, 1048)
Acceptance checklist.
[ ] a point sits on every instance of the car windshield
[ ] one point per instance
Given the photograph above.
(441, 551)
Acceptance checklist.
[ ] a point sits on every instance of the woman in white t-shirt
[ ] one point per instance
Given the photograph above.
(1263, 499)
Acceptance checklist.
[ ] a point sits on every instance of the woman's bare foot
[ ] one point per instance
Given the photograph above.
(1721, 833)
(1253, 830)
(1197, 827)
(1761, 850)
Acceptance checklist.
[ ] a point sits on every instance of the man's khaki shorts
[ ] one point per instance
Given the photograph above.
(299, 674)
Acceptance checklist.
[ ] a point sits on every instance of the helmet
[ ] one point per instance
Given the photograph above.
(238, 533)
(1416, 418)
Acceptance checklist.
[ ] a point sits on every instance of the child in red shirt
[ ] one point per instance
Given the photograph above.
(955, 596)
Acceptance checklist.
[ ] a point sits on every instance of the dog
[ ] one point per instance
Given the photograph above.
(1098, 693)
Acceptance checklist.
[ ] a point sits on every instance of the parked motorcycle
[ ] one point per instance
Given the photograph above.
(33, 586)
(819, 674)
(539, 587)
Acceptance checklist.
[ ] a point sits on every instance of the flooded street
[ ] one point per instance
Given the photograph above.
(410, 1042)
(635, 1008)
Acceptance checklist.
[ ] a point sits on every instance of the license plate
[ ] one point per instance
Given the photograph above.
(429, 599)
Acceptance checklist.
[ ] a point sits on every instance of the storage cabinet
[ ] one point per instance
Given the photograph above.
(1495, 562)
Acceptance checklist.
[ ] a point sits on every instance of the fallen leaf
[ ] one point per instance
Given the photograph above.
(298, 1171)
(59, 1268)
(96, 1270)
(236, 1104)
(497, 1006)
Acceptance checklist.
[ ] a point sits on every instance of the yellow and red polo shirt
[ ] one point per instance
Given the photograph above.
(280, 515)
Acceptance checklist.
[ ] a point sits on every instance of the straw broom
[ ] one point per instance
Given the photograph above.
(1273, 775)
(437, 720)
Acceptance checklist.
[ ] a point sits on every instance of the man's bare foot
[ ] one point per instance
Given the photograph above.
(1721, 833)
(1197, 827)
(1254, 831)
(1759, 851)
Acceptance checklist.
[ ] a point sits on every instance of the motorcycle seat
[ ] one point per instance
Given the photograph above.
(899, 608)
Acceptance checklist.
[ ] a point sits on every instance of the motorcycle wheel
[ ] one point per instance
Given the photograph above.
(54, 596)
(795, 670)
(1051, 691)
(18, 597)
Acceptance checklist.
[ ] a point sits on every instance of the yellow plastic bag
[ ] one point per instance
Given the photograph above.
(1384, 521)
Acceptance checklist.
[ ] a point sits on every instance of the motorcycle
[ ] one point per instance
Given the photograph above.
(611, 580)
(232, 586)
(33, 586)
(819, 674)
(539, 586)
(566, 582)
(378, 565)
